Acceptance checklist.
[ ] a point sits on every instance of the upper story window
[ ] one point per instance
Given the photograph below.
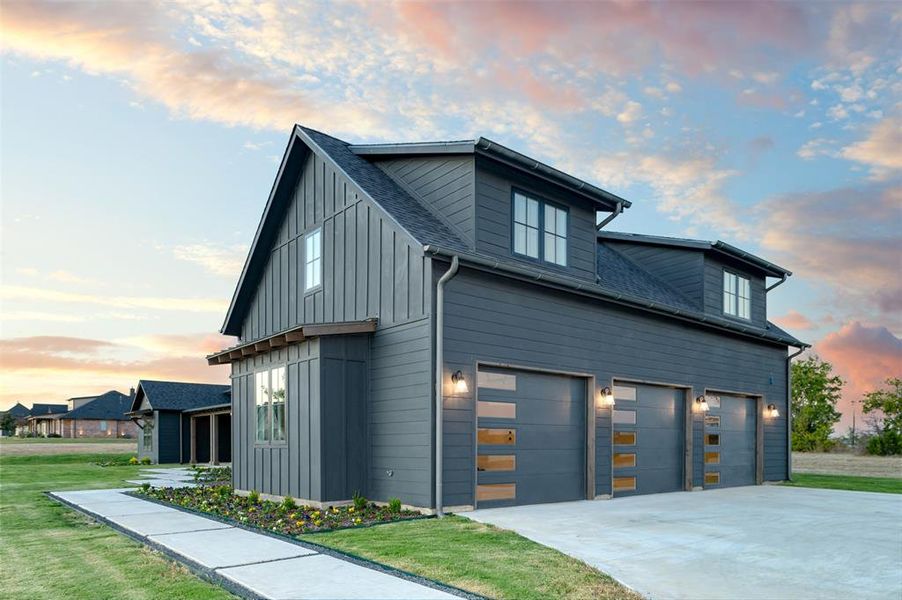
(313, 259)
(736, 295)
(540, 230)
(269, 401)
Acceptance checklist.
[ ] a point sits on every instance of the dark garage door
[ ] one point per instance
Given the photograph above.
(531, 438)
(730, 441)
(649, 435)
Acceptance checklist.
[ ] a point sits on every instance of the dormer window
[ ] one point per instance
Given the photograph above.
(540, 230)
(736, 295)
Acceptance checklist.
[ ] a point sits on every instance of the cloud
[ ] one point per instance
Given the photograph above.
(54, 344)
(192, 344)
(881, 150)
(632, 111)
(218, 259)
(817, 147)
(794, 320)
(864, 356)
(34, 294)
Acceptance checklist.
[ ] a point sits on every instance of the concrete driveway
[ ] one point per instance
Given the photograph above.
(767, 542)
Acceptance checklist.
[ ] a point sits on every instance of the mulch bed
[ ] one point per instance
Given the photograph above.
(279, 517)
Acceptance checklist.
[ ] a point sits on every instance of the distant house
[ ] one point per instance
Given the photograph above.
(44, 419)
(183, 422)
(99, 416)
(19, 413)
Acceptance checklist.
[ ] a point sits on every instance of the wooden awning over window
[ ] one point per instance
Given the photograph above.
(292, 336)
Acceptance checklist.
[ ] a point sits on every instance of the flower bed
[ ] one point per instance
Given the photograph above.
(286, 518)
(212, 475)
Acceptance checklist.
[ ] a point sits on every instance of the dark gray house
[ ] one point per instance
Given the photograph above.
(183, 422)
(387, 280)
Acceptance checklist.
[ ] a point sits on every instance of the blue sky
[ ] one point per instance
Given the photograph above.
(139, 142)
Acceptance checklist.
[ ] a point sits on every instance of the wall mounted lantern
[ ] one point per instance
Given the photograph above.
(460, 384)
(607, 397)
(772, 411)
(701, 404)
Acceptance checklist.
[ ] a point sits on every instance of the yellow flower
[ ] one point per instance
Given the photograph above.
(316, 513)
(300, 523)
(350, 510)
(335, 511)
(317, 522)
(358, 520)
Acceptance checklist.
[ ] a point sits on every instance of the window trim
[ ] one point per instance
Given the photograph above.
(269, 421)
(540, 259)
(723, 291)
(307, 262)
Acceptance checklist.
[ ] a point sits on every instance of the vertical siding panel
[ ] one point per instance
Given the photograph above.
(387, 274)
(338, 274)
(362, 256)
(401, 280)
(293, 283)
(284, 288)
(316, 438)
(350, 289)
(374, 282)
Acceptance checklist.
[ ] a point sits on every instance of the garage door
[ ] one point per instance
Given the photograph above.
(648, 439)
(531, 438)
(730, 441)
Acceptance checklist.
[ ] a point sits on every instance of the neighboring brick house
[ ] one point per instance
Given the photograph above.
(44, 419)
(102, 416)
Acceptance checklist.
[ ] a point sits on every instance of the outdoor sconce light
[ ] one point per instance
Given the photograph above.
(460, 384)
(701, 404)
(607, 397)
(772, 411)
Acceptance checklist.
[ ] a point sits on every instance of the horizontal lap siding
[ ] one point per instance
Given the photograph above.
(443, 183)
(400, 414)
(289, 469)
(681, 269)
(494, 189)
(370, 267)
(489, 318)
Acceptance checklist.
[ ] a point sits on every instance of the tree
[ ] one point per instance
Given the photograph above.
(886, 408)
(815, 391)
(8, 423)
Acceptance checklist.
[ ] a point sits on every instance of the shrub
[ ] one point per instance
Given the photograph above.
(359, 501)
(146, 460)
(54, 435)
(287, 503)
(885, 443)
(394, 505)
(133, 460)
(145, 487)
(253, 497)
(224, 492)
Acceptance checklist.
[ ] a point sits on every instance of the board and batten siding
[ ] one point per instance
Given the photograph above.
(443, 183)
(501, 320)
(680, 269)
(494, 200)
(371, 268)
(714, 290)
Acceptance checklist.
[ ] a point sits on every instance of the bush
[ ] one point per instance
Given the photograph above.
(146, 460)
(54, 435)
(133, 460)
(394, 505)
(359, 501)
(253, 497)
(885, 443)
(288, 503)
(145, 487)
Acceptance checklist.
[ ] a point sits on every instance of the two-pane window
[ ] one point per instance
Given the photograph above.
(270, 400)
(540, 230)
(736, 295)
(313, 259)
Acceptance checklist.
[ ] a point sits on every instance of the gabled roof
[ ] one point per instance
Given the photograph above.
(489, 148)
(41, 410)
(18, 410)
(716, 246)
(110, 406)
(179, 396)
(409, 214)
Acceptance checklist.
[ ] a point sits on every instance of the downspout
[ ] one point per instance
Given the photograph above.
(617, 210)
(782, 280)
(789, 411)
(439, 378)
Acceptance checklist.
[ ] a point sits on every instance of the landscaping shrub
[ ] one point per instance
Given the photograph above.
(360, 502)
(288, 503)
(273, 516)
(146, 460)
(394, 505)
(133, 460)
(212, 475)
(54, 435)
(885, 443)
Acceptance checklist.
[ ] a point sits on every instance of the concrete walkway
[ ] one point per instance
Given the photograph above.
(165, 477)
(760, 542)
(249, 564)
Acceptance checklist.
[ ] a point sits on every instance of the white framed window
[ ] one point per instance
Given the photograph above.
(270, 399)
(539, 230)
(313, 259)
(736, 295)
(103, 426)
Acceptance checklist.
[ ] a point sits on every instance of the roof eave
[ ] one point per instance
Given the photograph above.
(413, 149)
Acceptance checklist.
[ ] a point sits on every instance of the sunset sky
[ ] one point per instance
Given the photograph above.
(139, 141)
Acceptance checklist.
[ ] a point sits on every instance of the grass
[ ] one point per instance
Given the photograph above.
(49, 551)
(42, 440)
(476, 557)
(889, 485)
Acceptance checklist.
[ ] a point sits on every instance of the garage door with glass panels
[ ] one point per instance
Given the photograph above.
(648, 437)
(531, 438)
(730, 441)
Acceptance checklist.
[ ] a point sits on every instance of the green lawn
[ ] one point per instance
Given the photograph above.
(85, 440)
(476, 557)
(49, 551)
(888, 485)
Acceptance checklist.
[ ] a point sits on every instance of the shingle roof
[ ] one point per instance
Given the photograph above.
(617, 272)
(410, 214)
(110, 406)
(175, 395)
(18, 411)
(38, 410)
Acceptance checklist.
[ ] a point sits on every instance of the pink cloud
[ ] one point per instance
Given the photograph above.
(864, 356)
(794, 320)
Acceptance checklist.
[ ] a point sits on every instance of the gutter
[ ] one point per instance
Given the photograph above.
(782, 280)
(789, 411)
(610, 217)
(439, 378)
